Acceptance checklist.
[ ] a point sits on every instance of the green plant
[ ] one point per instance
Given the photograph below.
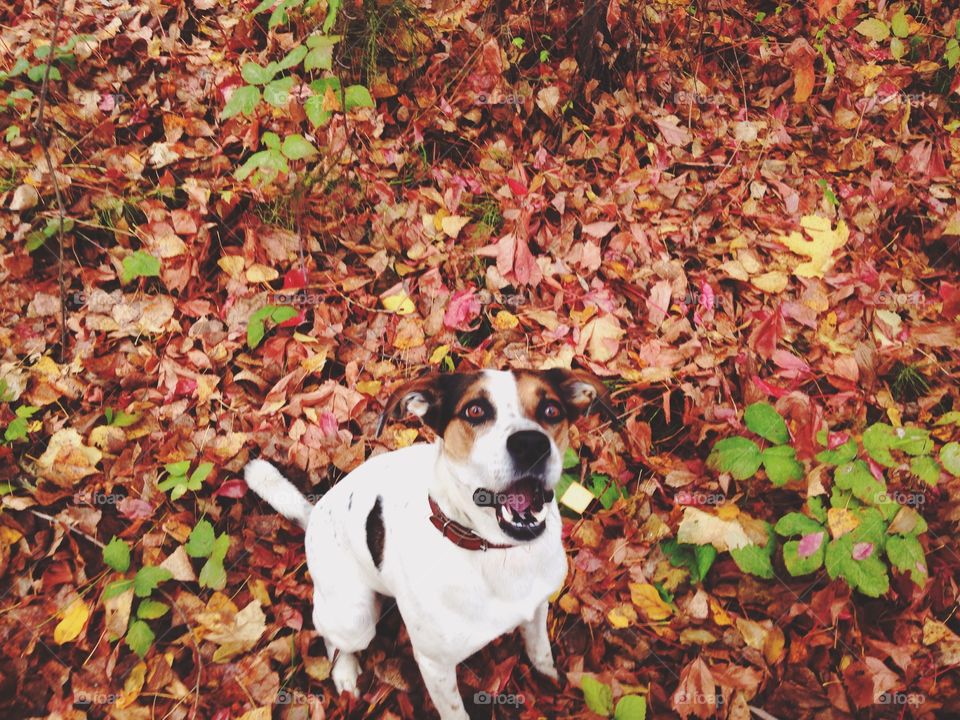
(203, 543)
(275, 313)
(119, 418)
(178, 482)
(139, 264)
(266, 164)
(599, 699)
(138, 635)
(601, 486)
(19, 427)
(38, 238)
(865, 526)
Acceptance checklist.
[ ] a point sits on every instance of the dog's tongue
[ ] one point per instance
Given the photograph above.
(519, 498)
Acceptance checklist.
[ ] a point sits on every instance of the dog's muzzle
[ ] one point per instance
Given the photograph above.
(521, 507)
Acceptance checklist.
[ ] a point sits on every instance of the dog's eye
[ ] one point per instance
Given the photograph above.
(551, 411)
(475, 412)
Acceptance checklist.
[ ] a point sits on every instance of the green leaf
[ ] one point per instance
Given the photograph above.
(242, 100)
(631, 707)
(952, 52)
(925, 468)
(705, 555)
(605, 490)
(797, 565)
(278, 92)
(148, 578)
(200, 542)
(297, 147)
(213, 575)
(754, 560)
(869, 576)
(256, 75)
(313, 108)
(139, 637)
(796, 524)
(738, 456)
(877, 440)
(121, 419)
(200, 474)
(900, 25)
(320, 56)
(906, 554)
(950, 458)
(293, 58)
(952, 417)
(140, 264)
(116, 554)
(599, 697)
(761, 418)
(117, 587)
(151, 609)
(264, 5)
(177, 468)
(781, 464)
(912, 440)
(856, 477)
(356, 96)
(333, 6)
(16, 430)
(873, 29)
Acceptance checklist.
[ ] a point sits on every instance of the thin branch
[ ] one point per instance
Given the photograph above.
(42, 136)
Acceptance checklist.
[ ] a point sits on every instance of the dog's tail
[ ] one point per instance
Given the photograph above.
(267, 482)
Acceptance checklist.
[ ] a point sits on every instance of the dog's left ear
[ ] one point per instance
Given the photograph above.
(582, 392)
(428, 397)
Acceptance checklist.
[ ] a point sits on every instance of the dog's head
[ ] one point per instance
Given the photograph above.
(503, 437)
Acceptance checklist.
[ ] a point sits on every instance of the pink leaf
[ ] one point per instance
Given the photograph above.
(809, 544)
(835, 440)
(135, 509)
(231, 489)
(463, 308)
(861, 551)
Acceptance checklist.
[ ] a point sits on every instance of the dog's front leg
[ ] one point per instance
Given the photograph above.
(441, 681)
(537, 642)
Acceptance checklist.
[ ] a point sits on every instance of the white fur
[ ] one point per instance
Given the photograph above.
(453, 601)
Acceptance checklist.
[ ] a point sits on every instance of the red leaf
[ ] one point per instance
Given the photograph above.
(231, 489)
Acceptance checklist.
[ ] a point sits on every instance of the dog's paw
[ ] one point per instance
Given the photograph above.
(345, 673)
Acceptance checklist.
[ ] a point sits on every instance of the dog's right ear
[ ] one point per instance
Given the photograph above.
(423, 397)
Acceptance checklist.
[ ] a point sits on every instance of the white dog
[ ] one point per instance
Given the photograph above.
(464, 533)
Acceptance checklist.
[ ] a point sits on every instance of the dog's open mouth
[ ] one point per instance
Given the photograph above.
(521, 507)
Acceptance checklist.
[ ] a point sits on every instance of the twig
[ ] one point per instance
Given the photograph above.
(52, 520)
(42, 139)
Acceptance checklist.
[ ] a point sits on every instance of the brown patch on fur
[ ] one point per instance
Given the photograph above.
(533, 388)
(459, 435)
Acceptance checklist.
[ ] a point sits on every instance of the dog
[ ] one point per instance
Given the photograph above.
(464, 532)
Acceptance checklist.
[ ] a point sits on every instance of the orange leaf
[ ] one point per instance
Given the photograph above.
(803, 80)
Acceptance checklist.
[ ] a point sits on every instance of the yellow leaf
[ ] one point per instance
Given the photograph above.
(261, 273)
(74, 618)
(622, 616)
(404, 437)
(841, 521)
(646, 597)
(576, 497)
(132, 686)
(452, 224)
(260, 713)
(314, 363)
(720, 616)
(505, 320)
(773, 282)
(824, 240)
(439, 354)
(8, 536)
(369, 387)
(400, 304)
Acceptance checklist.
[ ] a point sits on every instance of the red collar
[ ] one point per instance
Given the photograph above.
(458, 534)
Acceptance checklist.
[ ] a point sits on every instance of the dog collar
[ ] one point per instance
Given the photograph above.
(458, 534)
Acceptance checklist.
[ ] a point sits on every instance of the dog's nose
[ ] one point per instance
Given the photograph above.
(528, 448)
